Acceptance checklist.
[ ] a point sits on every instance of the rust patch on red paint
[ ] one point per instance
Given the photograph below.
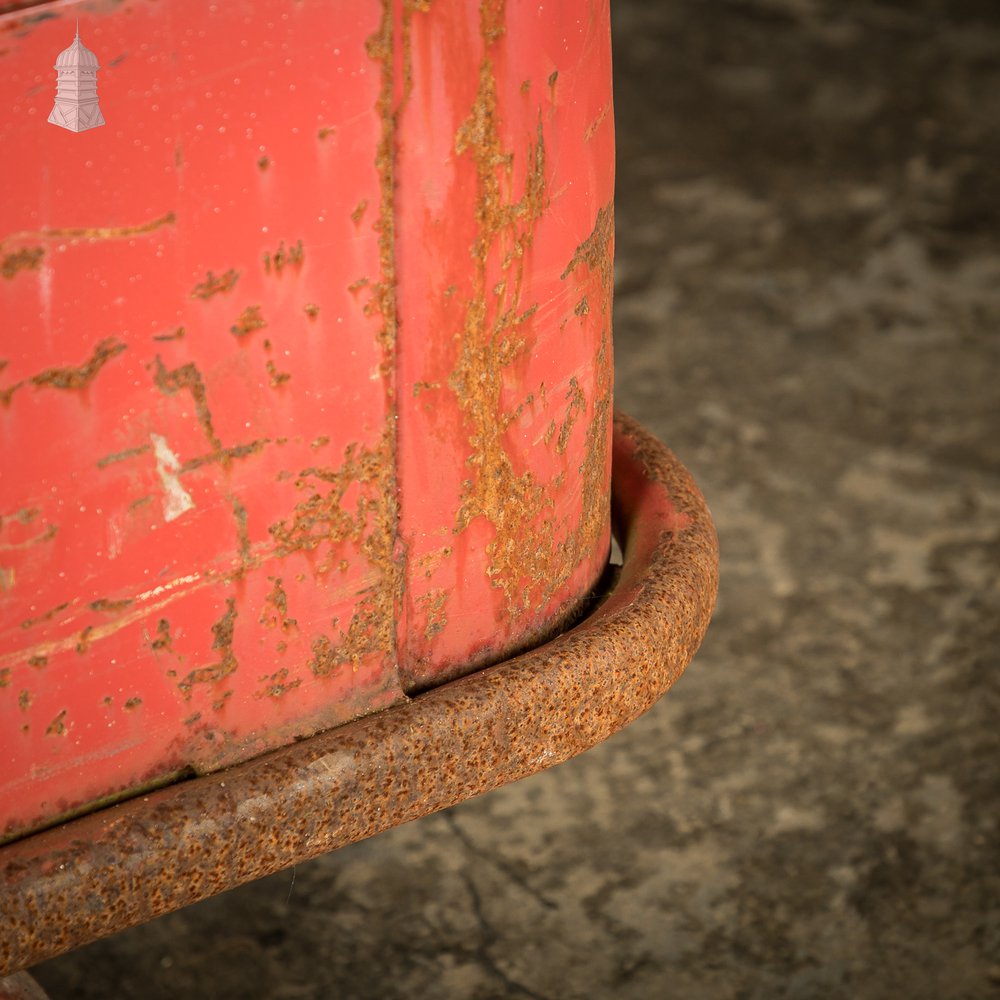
(276, 378)
(178, 334)
(24, 699)
(57, 727)
(110, 606)
(432, 604)
(81, 376)
(359, 212)
(492, 338)
(281, 258)
(26, 259)
(121, 456)
(215, 285)
(31, 622)
(492, 20)
(94, 233)
(325, 132)
(172, 381)
(84, 639)
(275, 611)
(5, 675)
(326, 657)
(576, 403)
(248, 321)
(276, 685)
(596, 251)
(495, 333)
(222, 631)
(592, 128)
(163, 640)
(311, 310)
(132, 703)
(224, 456)
(242, 532)
(369, 631)
(38, 661)
(263, 163)
(50, 531)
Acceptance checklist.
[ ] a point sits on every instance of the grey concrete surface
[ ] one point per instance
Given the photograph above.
(808, 312)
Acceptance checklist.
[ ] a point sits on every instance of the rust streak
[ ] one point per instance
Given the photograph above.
(121, 456)
(226, 455)
(359, 212)
(178, 334)
(276, 378)
(172, 381)
(213, 285)
(48, 616)
(282, 258)
(275, 612)
(242, 532)
(93, 232)
(492, 339)
(110, 606)
(50, 532)
(248, 321)
(80, 377)
(222, 631)
(57, 727)
(163, 640)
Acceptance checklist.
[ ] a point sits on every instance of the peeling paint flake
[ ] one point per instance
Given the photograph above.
(176, 500)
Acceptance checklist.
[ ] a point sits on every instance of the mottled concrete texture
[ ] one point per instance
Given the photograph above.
(808, 310)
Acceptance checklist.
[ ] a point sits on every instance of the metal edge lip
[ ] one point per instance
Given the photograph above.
(109, 870)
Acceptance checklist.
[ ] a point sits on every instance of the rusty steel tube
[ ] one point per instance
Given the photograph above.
(129, 863)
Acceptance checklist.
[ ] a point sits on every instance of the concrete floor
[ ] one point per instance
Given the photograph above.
(808, 310)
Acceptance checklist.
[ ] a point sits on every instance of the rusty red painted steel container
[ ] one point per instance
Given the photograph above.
(305, 372)
(123, 865)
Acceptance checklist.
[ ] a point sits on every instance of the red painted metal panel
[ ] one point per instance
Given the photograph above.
(505, 177)
(205, 402)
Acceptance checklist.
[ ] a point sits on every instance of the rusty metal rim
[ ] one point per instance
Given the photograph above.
(129, 863)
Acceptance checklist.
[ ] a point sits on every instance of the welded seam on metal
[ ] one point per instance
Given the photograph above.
(129, 863)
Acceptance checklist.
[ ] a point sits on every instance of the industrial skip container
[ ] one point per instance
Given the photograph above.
(306, 411)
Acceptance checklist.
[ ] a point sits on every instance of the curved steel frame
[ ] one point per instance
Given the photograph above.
(129, 863)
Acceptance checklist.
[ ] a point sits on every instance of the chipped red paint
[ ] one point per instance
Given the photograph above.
(304, 372)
